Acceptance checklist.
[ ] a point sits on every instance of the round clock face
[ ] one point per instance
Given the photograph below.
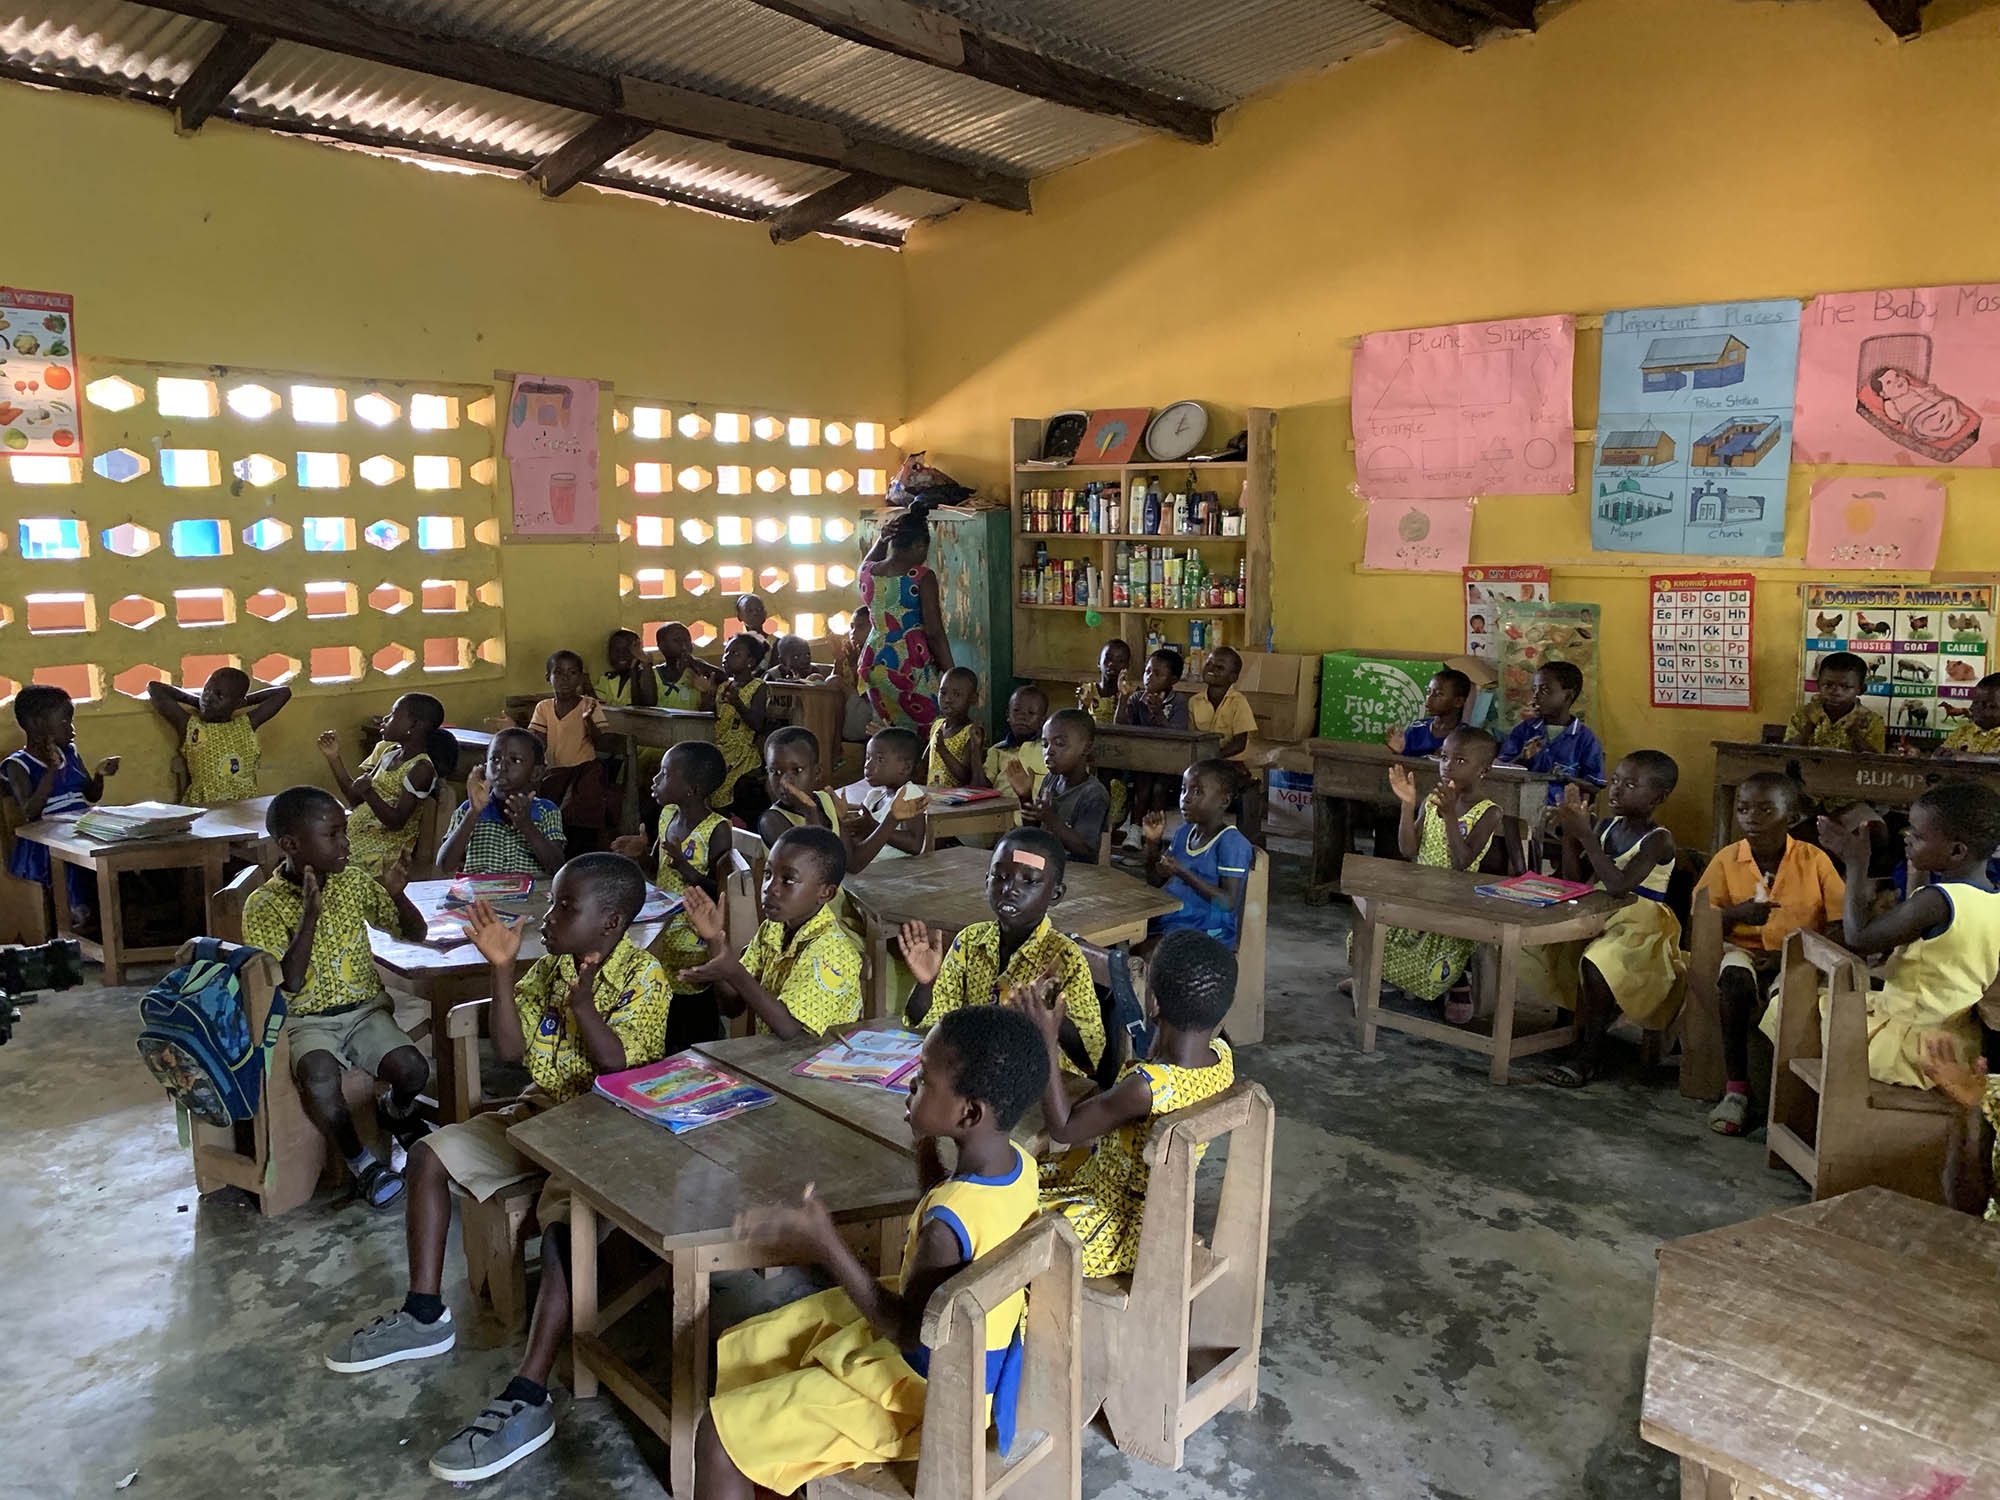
(1177, 431)
(1063, 432)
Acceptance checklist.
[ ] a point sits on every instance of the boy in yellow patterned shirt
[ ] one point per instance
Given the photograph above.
(218, 729)
(1978, 733)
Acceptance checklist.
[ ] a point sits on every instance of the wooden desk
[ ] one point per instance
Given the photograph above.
(993, 815)
(472, 747)
(1883, 780)
(1347, 771)
(234, 827)
(1848, 1348)
(679, 1197)
(1392, 893)
(947, 889)
(1160, 752)
(818, 706)
(659, 729)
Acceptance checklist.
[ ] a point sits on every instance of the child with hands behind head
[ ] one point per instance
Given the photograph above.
(502, 827)
(1193, 985)
(218, 729)
(835, 1381)
(1636, 964)
(1070, 802)
(957, 745)
(1207, 865)
(396, 778)
(46, 778)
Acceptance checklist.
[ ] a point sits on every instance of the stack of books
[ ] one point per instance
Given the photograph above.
(138, 820)
(960, 796)
(1536, 890)
(470, 888)
(874, 1059)
(682, 1092)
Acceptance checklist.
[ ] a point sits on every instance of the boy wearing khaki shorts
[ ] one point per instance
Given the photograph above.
(596, 1004)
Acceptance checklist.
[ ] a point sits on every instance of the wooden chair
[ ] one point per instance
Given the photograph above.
(1172, 1344)
(742, 884)
(1245, 1021)
(24, 904)
(423, 854)
(1831, 1123)
(1701, 1015)
(960, 1460)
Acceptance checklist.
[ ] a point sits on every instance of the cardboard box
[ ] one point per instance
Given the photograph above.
(1283, 691)
(1365, 694)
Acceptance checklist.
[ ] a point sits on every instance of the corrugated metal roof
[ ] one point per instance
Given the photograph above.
(1212, 54)
(1700, 348)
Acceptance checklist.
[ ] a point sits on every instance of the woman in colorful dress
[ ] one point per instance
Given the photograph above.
(907, 650)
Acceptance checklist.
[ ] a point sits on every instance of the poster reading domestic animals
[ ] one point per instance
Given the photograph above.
(1926, 647)
(1903, 376)
(1485, 589)
(1694, 429)
(41, 409)
(1468, 409)
(550, 443)
(1701, 640)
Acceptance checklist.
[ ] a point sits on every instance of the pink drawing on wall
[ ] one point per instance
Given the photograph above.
(1875, 521)
(1418, 536)
(550, 444)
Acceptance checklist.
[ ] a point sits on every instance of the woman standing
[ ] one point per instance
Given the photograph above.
(907, 651)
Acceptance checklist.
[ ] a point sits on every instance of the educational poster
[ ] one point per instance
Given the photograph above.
(1875, 521)
(1485, 589)
(1418, 536)
(551, 448)
(1467, 409)
(1694, 429)
(41, 407)
(1925, 645)
(1533, 632)
(1909, 375)
(1701, 640)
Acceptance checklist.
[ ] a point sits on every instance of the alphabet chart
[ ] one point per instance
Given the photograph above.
(1701, 640)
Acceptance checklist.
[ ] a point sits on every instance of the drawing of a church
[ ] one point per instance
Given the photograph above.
(1712, 505)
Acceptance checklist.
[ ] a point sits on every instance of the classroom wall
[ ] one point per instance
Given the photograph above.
(245, 248)
(1631, 153)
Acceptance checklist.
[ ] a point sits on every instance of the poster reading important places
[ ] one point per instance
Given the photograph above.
(551, 448)
(1694, 429)
(1485, 589)
(1532, 634)
(1418, 536)
(1701, 640)
(1901, 376)
(1925, 646)
(40, 405)
(1875, 521)
(1468, 409)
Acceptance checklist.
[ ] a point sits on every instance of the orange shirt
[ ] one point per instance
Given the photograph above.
(1807, 891)
(568, 744)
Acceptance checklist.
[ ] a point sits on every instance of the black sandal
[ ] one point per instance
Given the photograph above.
(373, 1178)
(1568, 1075)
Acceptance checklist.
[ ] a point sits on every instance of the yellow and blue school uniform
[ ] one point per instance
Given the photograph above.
(972, 974)
(1639, 952)
(680, 946)
(829, 809)
(370, 845)
(1572, 752)
(1227, 856)
(811, 1389)
(682, 693)
(221, 759)
(959, 744)
(1426, 964)
(735, 740)
(630, 993)
(816, 976)
(1005, 753)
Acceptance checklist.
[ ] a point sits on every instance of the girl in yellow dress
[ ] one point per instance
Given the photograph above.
(739, 719)
(1635, 964)
(957, 748)
(218, 729)
(793, 779)
(1193, 986)
(835, 1381)
(398, 776)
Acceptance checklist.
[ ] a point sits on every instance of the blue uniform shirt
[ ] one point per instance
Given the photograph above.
(1419, 740)
(1226, 856)
(1574, 754)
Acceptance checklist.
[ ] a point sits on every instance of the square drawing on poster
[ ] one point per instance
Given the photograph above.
(42, 413)
(1694, 429)
(1702, 640)
(1875, 521)
(1485, 589)
(550, 444)
(1926, 646)
(1418, 536)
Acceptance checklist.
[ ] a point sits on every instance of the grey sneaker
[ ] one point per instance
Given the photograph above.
(499, 1437)
(1730, 1114)
(390, 1340)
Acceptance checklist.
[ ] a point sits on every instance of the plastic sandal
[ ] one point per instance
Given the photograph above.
(379, 1186)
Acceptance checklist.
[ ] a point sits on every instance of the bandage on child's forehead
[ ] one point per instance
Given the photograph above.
(1026, 857)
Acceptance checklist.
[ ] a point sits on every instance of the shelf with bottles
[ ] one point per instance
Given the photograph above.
(1204, 465)
(1132, 578)
(1133, 609)
(1105, 509)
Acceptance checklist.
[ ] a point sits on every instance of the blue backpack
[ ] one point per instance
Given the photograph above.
(196, 1035)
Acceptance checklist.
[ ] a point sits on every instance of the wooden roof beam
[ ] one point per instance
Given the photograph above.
(586, 151)
(1904, 17)
(332, 27)
(925, 35)
(831, 203)
(1515, 15)
(234, 54)
(1436, 18)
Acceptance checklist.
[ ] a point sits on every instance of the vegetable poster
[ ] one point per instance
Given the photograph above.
(1468, 409)
(1534, 633)
(1926, 647)
(40, 406)
(551, 448)
(1485, 588)
(1694, 429)
(1701, 640)
(1909, 375)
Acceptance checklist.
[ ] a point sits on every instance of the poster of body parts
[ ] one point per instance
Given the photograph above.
(1903, 376)
(1533, 633)
(551, 450)
(1485, 589)
(1468, 409)
(40, 406)
(1694, 429)
(1701, 640)
(1926, 647)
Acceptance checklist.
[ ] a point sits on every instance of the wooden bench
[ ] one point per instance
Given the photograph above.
(1702, 1072)
(960, 1460)
(1245, 1021)
(1831, 1123)
(1175, 1342)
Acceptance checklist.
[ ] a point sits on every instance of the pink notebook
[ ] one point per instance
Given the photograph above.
(1536, 890)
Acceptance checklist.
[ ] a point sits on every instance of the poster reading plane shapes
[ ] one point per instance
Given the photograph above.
(1906, 376)
(1926, 647)
(1694, 429)
(1467, 409)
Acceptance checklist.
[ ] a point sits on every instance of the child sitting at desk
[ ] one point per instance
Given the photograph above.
(313, 916)
(218, 730)
(1155, 706)
(794, 780)
(683, 680)
(957, 745)
(1837, 719)
(1104, 1199)
(1767, 884)
(1207, 866)
(792, 661)
(1635, 964)
(1552, 739)
(596, 1003)
(801, 973)
(396, 778)
(502, 827)
(751, 615)
(888, 822)
(627, 681)
(1100, 699)
(1027, 711)
(1070, 802)
(1444, 709)
(988, 959)
(835, 1381)
(739, 719)
(570, 725)
(46, 779)
(1977, 735)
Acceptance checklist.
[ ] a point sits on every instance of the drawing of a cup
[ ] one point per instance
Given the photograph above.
(562, 498)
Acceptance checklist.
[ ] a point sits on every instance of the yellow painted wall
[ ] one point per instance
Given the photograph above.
(1632, 153)
(243, 248)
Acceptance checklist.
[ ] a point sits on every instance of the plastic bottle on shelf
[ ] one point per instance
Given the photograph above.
(1114, 496)
(1028, 585)
(1152, 512)
(1242, 582)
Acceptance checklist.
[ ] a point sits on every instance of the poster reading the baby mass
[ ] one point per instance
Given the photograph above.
(551, 448)
(1694, 429)
(1485, 590)
(1907, 376)
(1470, 409)
(1925, 646)
(39, 408)
(1701, 640)
(1534, 633)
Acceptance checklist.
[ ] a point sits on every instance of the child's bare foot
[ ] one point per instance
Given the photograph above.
(1458, 1006)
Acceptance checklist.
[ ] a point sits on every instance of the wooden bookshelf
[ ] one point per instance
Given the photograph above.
(1055, 643)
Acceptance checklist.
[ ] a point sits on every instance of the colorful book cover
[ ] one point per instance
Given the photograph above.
(960, 796)
(1537, 890)
(876, 1059)
(681, 1092)
(467, 889)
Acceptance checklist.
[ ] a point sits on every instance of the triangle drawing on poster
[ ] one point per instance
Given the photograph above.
(1405, 395)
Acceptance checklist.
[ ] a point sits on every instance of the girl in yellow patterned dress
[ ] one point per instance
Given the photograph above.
(739, 719)
(957, 746)
(218, 730)
(396, 778)
(1104, 1199)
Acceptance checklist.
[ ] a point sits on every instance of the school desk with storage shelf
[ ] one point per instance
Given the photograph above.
(1847, 775)
(1157, 752)
(657, 729)
(818, 706)
(679, 1197)
(1347, 771)
(987, 815)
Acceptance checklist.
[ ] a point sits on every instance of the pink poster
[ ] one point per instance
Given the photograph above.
(1418, 536)
(1875, 521)
(1466, 409)
(1906, 376)
(550, 444)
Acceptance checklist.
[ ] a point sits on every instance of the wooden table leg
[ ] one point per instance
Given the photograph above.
(1699, 1482)
(689, 1394)
(878, 960)
(629, 818)
(1367, 968)
(446, 1086)
(110, 921)
(583, 1292)
(1721, 815)
(1331, 819)
(1505, 986)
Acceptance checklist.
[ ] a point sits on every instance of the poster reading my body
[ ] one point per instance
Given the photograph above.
(1701, 640)
(551, 448)
(1926, 647)
(1486, 589)
(1694, 429)
(1468, 409)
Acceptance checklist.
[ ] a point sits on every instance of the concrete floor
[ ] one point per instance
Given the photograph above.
(1460, 1287)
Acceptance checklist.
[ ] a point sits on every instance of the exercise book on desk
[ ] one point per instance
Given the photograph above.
(467, 889)
(875, 1059)
(682, 1092)
(137, 820)
(961, 796)
(1536, 890)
